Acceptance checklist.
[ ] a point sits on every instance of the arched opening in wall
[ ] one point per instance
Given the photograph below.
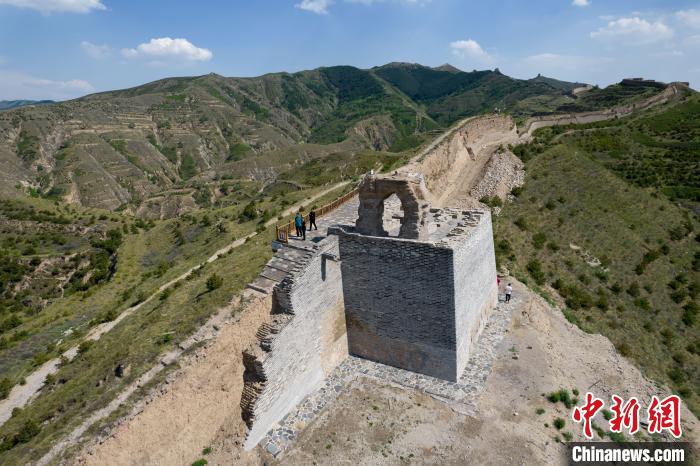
(393, 215)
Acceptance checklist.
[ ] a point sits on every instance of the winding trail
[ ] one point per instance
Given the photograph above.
(23, 394)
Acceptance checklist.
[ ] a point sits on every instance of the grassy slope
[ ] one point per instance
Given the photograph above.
(88, 382)
(649, 311)
(146, 260)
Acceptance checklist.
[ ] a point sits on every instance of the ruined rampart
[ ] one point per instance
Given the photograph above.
(442, 164)
(672, 91)
(302, 342)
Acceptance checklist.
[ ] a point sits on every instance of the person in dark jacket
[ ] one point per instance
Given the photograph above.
(303, 227)
(312, 220)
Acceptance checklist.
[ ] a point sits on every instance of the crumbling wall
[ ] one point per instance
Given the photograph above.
(442, 164)
(476, 289)
(410, 189)
(302, 342)
(399, 302)
(672, 91)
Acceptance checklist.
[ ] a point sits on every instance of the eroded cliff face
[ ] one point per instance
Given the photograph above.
(454, 165)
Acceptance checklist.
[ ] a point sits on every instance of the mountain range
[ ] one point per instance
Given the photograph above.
(121, 148)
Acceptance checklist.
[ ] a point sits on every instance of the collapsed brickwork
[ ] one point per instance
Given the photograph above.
(302, 341)
(416, 300)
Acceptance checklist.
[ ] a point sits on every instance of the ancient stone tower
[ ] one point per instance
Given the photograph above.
(414, 295)
(416, 300)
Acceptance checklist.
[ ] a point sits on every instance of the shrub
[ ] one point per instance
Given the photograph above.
(677, 375)
(559, 423)
(5, 387)
(538, 240)
(85, 346)
(521, 223)
(633, 290)
(535, 269)
(249, 212)
(165, 294)
(562, 395)
(214, 282)
(494, 201)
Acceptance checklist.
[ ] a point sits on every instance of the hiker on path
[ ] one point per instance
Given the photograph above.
(312, 220)
(303, 227)
(298, 222)
(509, 291)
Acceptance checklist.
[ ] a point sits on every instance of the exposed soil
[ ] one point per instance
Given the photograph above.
(373, 422)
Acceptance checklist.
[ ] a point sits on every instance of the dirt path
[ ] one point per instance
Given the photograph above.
(23, 394)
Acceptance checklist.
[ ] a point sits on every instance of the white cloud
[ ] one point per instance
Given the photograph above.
(320, 7)
(581, 2)
(634, 31)
(689, 17)
(469, 49)
(96, 51)
(165, 47)
(51, 6)
(17, 85)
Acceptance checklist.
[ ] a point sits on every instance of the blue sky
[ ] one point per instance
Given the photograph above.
(60, 49)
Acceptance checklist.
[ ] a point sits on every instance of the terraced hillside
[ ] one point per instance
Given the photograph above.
(154, 149)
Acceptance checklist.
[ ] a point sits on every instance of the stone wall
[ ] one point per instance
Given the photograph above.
(302, 342)
(672, 91)
(419, 305)
(399, 302)
(442, 163)
(476, 289)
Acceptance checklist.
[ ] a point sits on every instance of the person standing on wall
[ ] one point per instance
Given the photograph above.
(312, 220)
(509, 291)
(303, 227)
(298, 221)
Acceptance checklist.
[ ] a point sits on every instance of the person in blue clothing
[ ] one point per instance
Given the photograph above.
(298, 222)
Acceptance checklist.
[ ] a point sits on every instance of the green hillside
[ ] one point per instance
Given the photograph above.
(123, 149)
(594, 226)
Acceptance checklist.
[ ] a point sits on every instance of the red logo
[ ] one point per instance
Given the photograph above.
(665, 415)
(587, 412)
(661, 414)
(626, 415)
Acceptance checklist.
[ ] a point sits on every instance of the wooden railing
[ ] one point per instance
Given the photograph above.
(282, 231)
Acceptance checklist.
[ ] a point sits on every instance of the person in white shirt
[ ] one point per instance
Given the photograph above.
(509, 291)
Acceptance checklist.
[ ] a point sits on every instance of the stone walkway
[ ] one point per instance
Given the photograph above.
(462, 393)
